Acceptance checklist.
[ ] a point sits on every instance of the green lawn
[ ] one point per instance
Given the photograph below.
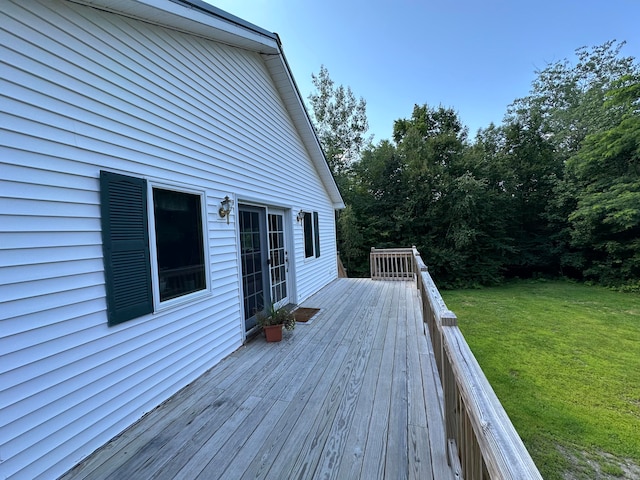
(564, 359)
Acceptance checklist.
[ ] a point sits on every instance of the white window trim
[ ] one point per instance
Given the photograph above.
(159, 306)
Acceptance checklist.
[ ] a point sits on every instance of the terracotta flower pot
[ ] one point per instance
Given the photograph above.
(273, 333)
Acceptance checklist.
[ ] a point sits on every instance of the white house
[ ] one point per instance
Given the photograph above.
(125, 126)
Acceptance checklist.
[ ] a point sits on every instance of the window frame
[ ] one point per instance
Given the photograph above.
(153, 248)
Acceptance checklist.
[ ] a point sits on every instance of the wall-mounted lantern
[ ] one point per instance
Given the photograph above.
(226, 205)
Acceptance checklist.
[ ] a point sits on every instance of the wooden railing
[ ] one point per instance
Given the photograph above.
(391, 264)
(482, 442)
(342, 272)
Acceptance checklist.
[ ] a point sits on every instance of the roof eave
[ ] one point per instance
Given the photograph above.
(200, 18)
(194, 17)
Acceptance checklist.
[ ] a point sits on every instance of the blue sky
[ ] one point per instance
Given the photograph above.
(474, 56)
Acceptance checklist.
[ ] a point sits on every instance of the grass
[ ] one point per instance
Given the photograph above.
(564, 359)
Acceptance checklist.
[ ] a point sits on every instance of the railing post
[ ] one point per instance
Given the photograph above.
(418, 267)
(452, 408)
(449, 319)
(372, 260)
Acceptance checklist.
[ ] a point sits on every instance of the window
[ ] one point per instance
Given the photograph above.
(179, 248)
(316, 233)
(311, 235)
(179, 245)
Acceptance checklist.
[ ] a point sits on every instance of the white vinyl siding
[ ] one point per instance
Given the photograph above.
(83, 90)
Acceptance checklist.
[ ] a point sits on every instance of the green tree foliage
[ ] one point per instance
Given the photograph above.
(377, 200)
(566, 105)
(569, 98)
(606, 221)
(351, 244)
(428, 190)
(554, 190)
(532, 175)
(340, 121)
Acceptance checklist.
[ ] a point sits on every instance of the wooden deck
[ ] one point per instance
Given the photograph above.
(352, 394)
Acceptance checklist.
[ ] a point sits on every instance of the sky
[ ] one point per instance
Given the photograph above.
(476, 57)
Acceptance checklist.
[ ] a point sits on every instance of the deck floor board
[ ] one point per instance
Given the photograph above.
(350, 394)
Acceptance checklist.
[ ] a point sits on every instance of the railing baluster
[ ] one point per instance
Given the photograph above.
(391, 264)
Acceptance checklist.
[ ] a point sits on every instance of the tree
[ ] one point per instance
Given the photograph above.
(377, 204)
(450, 202)
(533, 173)
(341, 124)
(565, 106)
(606, 221)
(569, 99)
(432, 190)
(340, 121)
(352, 248)
(554, 190)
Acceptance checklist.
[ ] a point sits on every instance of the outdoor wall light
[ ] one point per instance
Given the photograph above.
(300, 216)
(226, 206)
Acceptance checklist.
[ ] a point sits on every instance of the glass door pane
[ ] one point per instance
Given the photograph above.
(278, 259)
(252, 255)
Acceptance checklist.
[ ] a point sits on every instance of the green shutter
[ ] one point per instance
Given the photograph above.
(308, 235)
(316, 232)
(125, 240)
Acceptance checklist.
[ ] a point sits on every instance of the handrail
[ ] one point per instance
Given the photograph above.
(481, 440)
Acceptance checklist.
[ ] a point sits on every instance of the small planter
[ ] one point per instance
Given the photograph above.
(273, 333)
(273, 320)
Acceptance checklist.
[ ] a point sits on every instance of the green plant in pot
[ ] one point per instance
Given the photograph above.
(273, 320)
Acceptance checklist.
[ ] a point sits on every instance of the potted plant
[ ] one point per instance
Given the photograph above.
(273, 320)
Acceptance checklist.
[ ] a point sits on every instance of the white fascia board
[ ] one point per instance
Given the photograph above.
(193, 17)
